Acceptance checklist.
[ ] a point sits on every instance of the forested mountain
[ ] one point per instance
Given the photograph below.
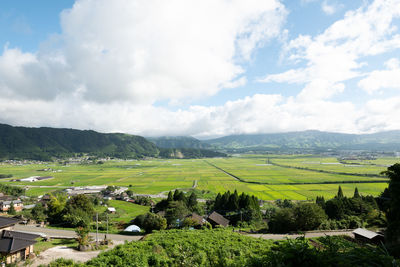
(178, 142)
(44, 143)
(309, 140)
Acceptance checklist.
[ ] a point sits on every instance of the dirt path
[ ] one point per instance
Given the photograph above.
(307, 235)
(51, 254)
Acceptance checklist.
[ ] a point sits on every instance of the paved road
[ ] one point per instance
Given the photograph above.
(69, 233)
(307, 235)
(115, 237)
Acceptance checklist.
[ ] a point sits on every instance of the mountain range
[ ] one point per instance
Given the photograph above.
(44, 143)
(306, 141)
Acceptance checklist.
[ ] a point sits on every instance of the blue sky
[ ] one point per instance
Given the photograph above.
(201, 68)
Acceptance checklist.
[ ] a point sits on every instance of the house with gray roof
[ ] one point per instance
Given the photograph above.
(5, 205)
(368, 236)
(14, 246)
(216, 219)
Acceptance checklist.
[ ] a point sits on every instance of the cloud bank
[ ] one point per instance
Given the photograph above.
(114, 60)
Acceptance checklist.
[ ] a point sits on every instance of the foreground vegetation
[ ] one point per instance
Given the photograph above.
(221, 247)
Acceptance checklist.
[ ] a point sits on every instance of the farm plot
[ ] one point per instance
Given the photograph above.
(332, 165)
(257, 170)
(155, 176)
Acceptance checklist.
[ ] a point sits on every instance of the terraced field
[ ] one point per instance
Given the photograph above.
(256, 175)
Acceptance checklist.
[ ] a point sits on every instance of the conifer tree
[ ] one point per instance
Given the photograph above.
(356, 194)
(340, 192)
(192, 201)
(170, 196)
(176, 194)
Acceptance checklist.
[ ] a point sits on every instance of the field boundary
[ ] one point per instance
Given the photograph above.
(328, 172)
(297, 183)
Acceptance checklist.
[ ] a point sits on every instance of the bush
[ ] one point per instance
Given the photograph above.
(150, 222)
(308, 216)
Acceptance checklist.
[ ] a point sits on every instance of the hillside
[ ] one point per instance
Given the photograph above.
(309, 141)
(178, 142)
(44, 143)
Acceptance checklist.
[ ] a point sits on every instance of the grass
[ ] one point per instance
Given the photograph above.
(157, 175)
(126, 211)
(42, 245)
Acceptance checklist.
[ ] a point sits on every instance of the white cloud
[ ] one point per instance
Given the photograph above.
(256, 114)
(333, 57)
(329, 8)
(382, 79)
(114, 59)
(144, 51)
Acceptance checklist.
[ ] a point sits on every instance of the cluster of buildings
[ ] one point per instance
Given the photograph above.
(33, 179)
(7, 201)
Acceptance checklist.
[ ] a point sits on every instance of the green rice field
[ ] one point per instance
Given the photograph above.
(299, 179)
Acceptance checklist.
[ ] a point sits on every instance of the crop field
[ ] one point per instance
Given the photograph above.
(294, 177)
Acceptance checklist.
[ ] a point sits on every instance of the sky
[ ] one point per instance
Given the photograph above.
(204, 68)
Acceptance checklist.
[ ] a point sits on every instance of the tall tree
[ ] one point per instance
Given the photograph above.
(393, 214)
(192, 201)
(356, 194)
(340, 192)
(170, 196)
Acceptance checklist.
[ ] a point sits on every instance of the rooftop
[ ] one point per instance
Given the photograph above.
(218, 218)
(366, 233)
(11, 241)
(6, 221)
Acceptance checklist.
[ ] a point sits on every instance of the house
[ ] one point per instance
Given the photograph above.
(216, 219)
(5, 205)
(7, 223)
(197, 218)
(14, 246)
(365, 235)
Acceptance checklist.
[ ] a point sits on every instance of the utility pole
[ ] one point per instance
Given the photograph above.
(97, 227)
(107, 227)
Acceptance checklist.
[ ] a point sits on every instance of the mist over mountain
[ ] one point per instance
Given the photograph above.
(178, 142)
(309, 140)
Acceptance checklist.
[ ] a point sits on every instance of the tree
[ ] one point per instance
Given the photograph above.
(356, 194)
(176, 210)
(308, 216)
(11, 210)
(192, 201)
(56, 208)
(150, 222)
(170, 196)
(83, 235)
(283, 221)
(320, 201)
(393, 214)
(78, 211)
(340, 192)
(38, 213)
(334, 208)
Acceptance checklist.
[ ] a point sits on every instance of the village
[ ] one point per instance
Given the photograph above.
(33, 216)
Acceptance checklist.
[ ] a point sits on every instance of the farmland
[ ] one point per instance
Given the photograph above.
(269, 178)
